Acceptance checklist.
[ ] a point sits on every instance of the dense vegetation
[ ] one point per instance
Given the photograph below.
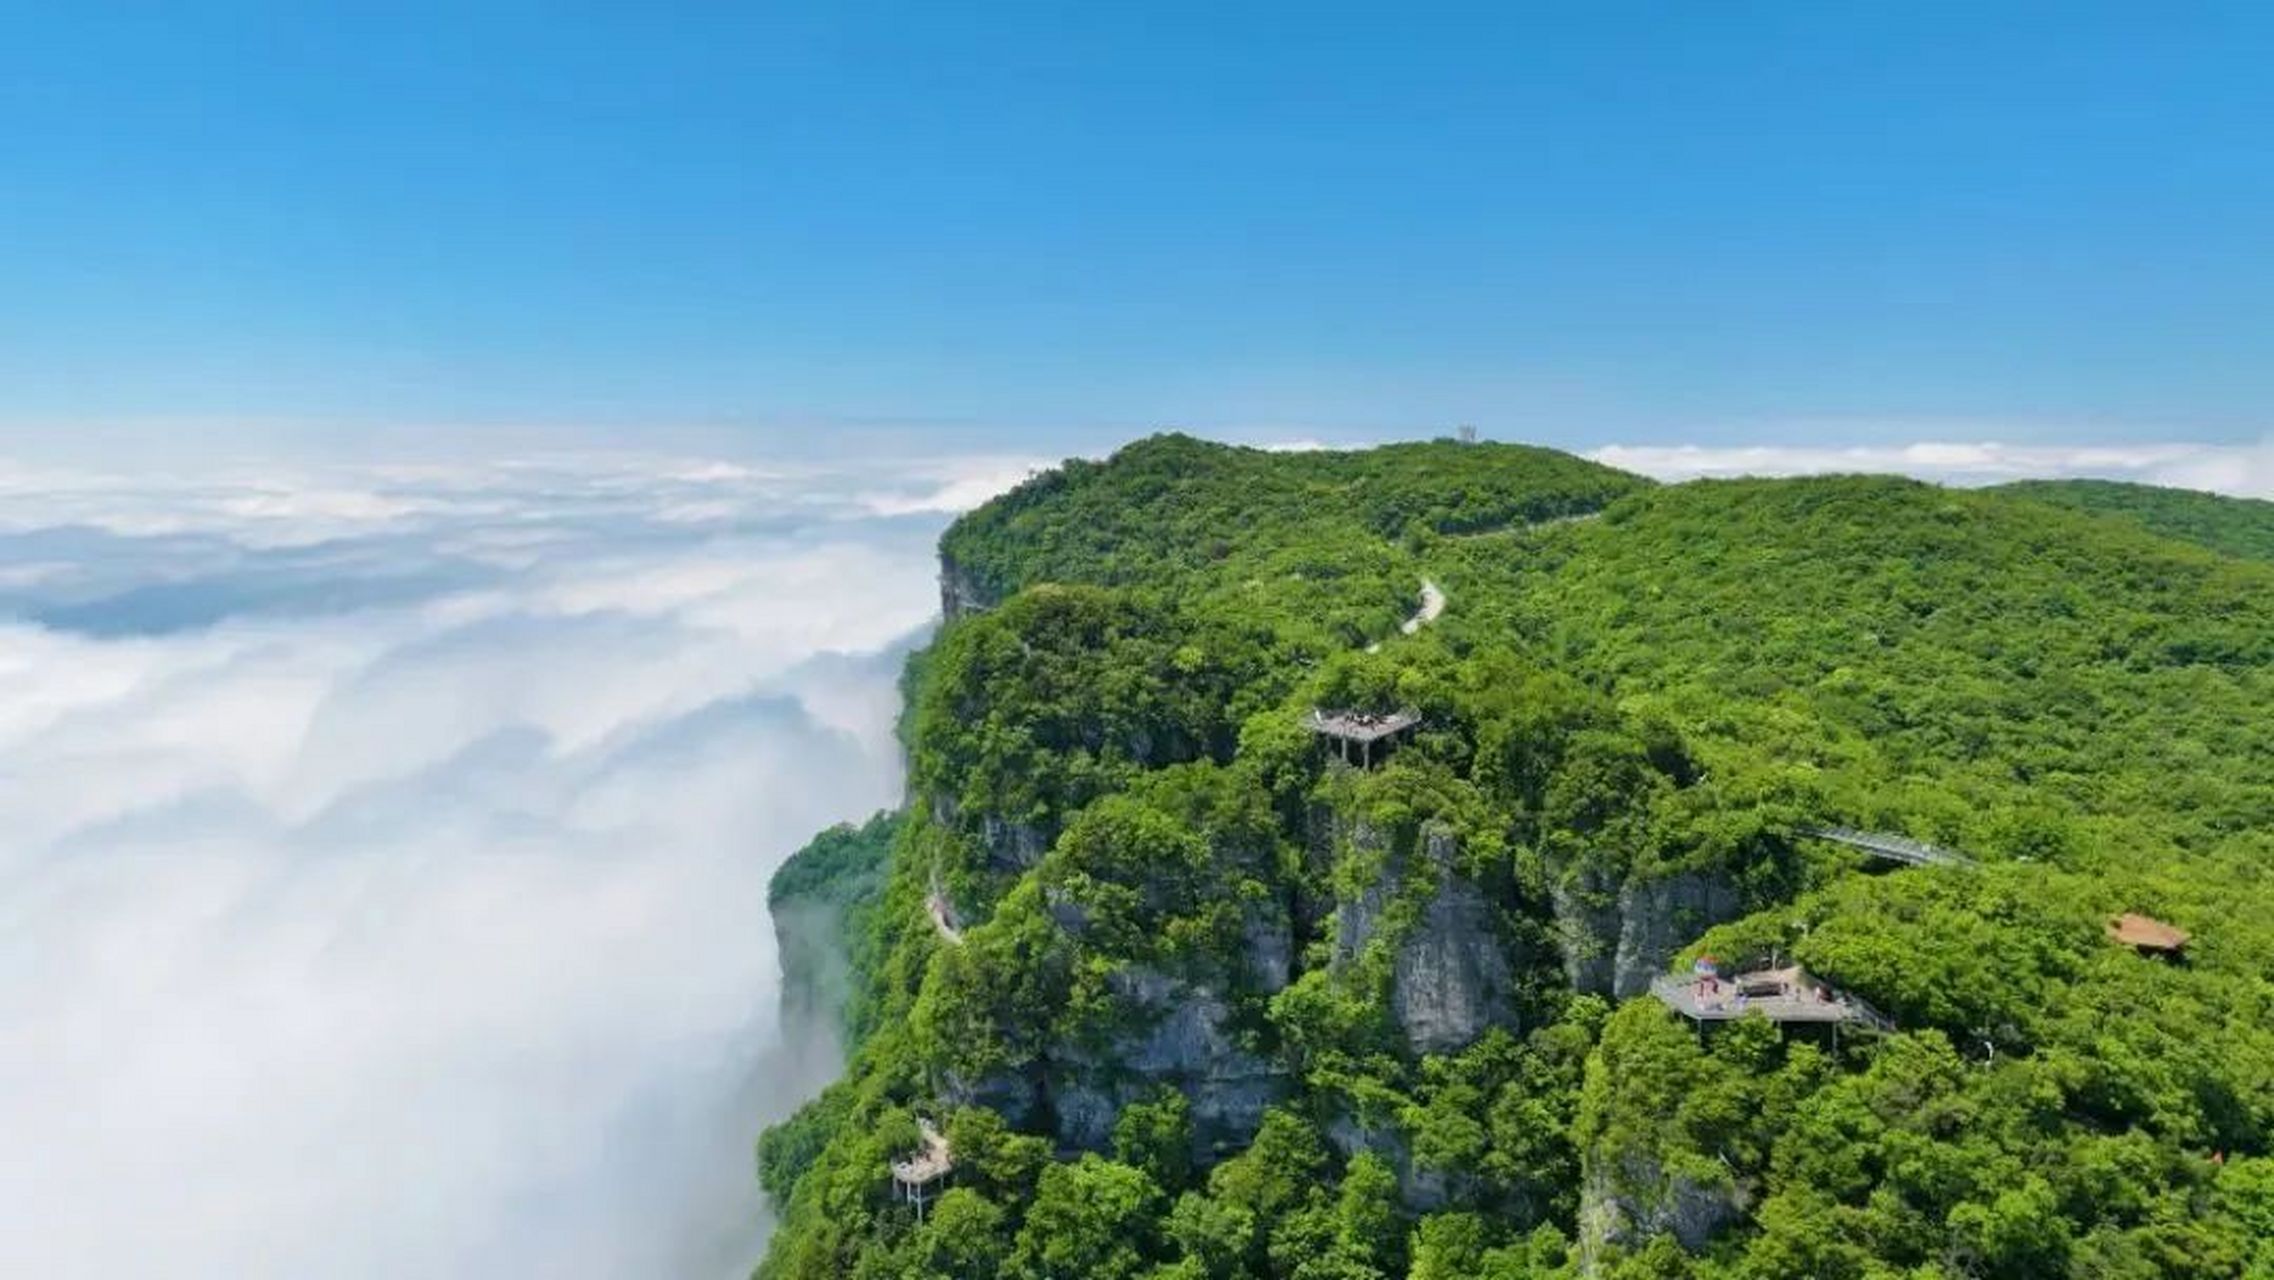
(842, 867)
(2237, 526)
(1213, 1007)
(1309, 542)
(821, 900)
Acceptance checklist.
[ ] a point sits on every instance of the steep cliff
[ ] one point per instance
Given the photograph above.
(1616, 935)
(1450, 974)
(961, 592)
(818, 900)
(1178, 982)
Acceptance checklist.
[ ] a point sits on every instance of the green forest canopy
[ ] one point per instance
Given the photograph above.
(2237, 526)
(1632, 683)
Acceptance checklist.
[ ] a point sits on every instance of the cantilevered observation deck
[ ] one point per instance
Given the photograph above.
(914, 1178)
(1781, 995)
(1361, 737)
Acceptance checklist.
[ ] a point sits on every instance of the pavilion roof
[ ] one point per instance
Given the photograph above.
(2143, 931)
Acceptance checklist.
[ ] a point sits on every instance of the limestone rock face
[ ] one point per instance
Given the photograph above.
(1314, 905)
(1179, 1035)
(1659, 917)
(1357, 919)
(1015, 1094)
(961, 592)
(816, 962)
(1011, 845)
(1173, 1030)
(1618, 936)
(1422, 1189)
(1450, 973)
(1627, 1200)
(1267, 946)
(1452, 978)
(1587, 920)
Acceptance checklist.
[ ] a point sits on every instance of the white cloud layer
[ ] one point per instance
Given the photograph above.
(384, 886)
(2244, 470)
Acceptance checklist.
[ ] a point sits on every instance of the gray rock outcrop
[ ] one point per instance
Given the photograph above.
(1618, 936)
(1640, 1200)
(1422, 1189)
(1011, 845)
(1450, 972)
(1267, 947)
(1014, 1094)
(1178, 1035)
(961, 592)
(1659, 917)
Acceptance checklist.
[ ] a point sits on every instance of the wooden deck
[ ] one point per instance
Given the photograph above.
(914, 1177)
(1355, 734)
(932, 1162)
(1360, 726)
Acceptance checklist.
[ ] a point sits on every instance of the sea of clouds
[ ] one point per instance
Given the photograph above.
(383, 871)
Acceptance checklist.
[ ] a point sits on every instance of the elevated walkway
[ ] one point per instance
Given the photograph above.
(1894, 848)
(1432, 604)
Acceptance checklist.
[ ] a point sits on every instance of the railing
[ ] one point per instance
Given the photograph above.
(1888, 845)
(1868, 1015)
(1682, 998)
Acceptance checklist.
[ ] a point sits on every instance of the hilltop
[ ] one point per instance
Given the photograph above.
(1186, 998)
(2236, 526)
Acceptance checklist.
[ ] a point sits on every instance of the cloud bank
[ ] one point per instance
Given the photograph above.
(384, 887)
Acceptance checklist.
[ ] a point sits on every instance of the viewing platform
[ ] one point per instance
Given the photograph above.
(914, 1178)
(1784, 995)
(1355, 734)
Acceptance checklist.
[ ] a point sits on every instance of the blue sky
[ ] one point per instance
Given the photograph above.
(1581, 224)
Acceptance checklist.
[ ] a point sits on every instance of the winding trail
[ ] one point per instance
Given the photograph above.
(943, 916)
(1432, 604)
(1533, 526)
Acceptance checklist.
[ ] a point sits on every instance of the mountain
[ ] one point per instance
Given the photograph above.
(1183, 993)
(2237, 526)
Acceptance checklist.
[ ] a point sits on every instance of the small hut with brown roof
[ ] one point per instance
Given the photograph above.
(2150, 937)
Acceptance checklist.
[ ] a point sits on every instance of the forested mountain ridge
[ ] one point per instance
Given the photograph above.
(1314, 537)
(2236, 526)
(1188, 1000)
